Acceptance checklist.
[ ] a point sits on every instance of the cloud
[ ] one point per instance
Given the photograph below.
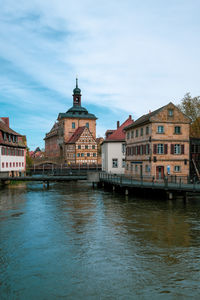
(130, 56)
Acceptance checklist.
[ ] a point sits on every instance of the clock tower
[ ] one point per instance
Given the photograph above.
(76, 95)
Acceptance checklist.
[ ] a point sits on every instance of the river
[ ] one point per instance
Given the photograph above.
(75, 242)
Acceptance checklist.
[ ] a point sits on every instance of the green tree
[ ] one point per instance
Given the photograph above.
(190, 106)
(29, 160)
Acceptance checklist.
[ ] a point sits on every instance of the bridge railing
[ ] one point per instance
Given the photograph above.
(131, 180)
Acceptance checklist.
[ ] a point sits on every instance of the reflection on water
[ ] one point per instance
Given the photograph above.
(73, 242)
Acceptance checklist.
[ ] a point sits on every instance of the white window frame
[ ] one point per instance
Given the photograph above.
(160, 129)
(115, 162)
(177, 149)
(160, 149)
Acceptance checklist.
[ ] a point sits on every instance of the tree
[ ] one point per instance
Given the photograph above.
(191, 108)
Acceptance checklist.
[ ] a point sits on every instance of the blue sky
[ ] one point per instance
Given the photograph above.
(131, 56)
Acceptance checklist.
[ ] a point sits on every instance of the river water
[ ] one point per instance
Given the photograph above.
(74, 242)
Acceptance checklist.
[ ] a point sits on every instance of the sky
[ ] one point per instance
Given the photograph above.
(130, 56)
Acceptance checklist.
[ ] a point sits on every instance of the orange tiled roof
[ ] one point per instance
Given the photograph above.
(73, 139)
(119, 134)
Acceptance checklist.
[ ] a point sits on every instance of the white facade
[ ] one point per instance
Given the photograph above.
(113, 157)
(12, 159)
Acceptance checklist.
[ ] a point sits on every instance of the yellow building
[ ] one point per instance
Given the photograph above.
(158, 144)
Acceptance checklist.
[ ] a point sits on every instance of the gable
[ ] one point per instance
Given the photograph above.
(85, 136)
(163, 115)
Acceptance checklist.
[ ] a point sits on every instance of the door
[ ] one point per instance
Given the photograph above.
(141, 171)
(160, 172)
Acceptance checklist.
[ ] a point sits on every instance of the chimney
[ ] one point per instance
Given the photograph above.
(130, 118)
(6, 120)
(117, 124)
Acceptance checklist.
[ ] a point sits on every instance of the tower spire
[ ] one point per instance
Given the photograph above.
(76, 94)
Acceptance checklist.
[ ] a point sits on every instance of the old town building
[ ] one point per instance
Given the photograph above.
(113, 149)
(70, 131)
(12, 150)
(158, 144)
(81, 148)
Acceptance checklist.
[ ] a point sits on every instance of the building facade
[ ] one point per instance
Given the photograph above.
(58, 142)
(113, 149)
(82, 147)
(158, 144)
(12, 150)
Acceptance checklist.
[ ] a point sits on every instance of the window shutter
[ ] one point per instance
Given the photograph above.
(165, 148)
(144, 149)
(154, 149)
(172, 149)
(182, 149)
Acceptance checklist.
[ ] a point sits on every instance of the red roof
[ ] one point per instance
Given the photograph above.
(5, 128)
(73, 139)
(119, 134)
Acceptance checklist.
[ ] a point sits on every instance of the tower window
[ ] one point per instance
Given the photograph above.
(87, 125)
(73, 125)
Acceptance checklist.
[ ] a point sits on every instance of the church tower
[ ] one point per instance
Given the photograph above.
(76, 95)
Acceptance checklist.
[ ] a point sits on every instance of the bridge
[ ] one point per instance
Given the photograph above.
(170, 186)
(89, 176)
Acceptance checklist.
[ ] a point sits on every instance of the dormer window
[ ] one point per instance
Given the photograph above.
(9, 138)
(4, 136)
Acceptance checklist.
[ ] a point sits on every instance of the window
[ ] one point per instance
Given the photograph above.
(123, 148)
(160, 149)
(127, 166)
(115, 163)
(136, 168)
(177, 168)
(88, 154)
(160, 129)
(6, 165)
(170, 112)
(141, 131)
(9, 138)
(78, 154)
(16, 139)
(10, 164)
(147, 130)
(14, 164)
(4, 136)
(132, 134)
(93, 146)
(86, 146)
(123, 163)
(19, 164)
(22, 164)
(177, 130)
(82, 154)
(136, 133)
(147, 168)
(79, 146)
(73, 125)
(2, 164)
(94, 154)
(128, 135)
(177, 149)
